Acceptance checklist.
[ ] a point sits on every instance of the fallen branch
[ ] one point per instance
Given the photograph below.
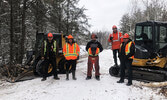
(155, 84)
(7, 71)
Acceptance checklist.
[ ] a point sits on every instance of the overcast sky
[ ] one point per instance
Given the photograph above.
(104, 14)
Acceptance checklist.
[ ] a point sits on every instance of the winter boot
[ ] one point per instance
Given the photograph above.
(88, 77)
(116, 65)
(120, 81)
(129, 84)
(98, 78)
(67, 75)
(43, 79)
(56, 77)
(73, 75)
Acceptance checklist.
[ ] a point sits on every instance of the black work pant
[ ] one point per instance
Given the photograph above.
(115, 55)
(71, 64)
(126, 64)
(51, 61)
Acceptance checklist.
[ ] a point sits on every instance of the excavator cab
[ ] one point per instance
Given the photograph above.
(151, 44)
(150, 38)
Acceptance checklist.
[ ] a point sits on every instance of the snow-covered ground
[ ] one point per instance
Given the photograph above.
(105, 89)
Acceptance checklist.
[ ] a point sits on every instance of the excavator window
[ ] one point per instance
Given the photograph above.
(58, 40)
(138, 32)
(143, 33)
(143, 36)
(148, 32)
(161, 36)
(39, 41)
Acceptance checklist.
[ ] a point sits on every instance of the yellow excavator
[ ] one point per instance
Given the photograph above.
(35, 63)
(150, 59)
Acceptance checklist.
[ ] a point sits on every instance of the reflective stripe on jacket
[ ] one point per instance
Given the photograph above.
(96, 53)
(127, 49)
(71, 52)
(45, 47)
(116, 41)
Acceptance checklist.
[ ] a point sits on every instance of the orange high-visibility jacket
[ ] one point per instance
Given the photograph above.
(127, 49)
(71, 52)
(116, 41)
(96, 53)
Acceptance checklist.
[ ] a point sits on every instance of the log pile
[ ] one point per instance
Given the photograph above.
(11, 73)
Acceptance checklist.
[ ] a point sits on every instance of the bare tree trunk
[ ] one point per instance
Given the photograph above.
(37, 20)
(11, 33)
(68, 3)
(59, 12)
(23, 30)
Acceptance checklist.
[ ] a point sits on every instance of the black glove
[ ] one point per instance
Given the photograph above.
(126, 57)
(78, 58)
(119, 55)
(111, 38)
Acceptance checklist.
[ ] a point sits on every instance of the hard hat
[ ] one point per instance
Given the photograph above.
(70, 37)
(93, 36)
(114, 26)
(126, 36)
(50, 35)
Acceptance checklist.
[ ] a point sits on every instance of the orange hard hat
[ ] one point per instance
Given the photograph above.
(50, 35)
(93, 36)
(114, 26)
(126, 36)
(70, 37)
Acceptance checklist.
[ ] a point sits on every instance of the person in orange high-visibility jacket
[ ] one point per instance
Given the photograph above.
(116, 39)
(93, 48)
(126, 55)
(71, 52)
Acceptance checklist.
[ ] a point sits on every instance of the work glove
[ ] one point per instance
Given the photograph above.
(126, 57)
(111, 38)
(42, 58)
(78, 58)
(119, 55)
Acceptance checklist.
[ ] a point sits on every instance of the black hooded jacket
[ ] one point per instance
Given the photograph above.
(94, 42)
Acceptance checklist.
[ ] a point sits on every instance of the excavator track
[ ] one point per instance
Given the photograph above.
(156, 75)
(142, 74)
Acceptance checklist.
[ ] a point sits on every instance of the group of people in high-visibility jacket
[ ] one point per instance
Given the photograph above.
(121, 45)
(49, 52)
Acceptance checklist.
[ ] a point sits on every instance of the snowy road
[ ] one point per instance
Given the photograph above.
(80, 89)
